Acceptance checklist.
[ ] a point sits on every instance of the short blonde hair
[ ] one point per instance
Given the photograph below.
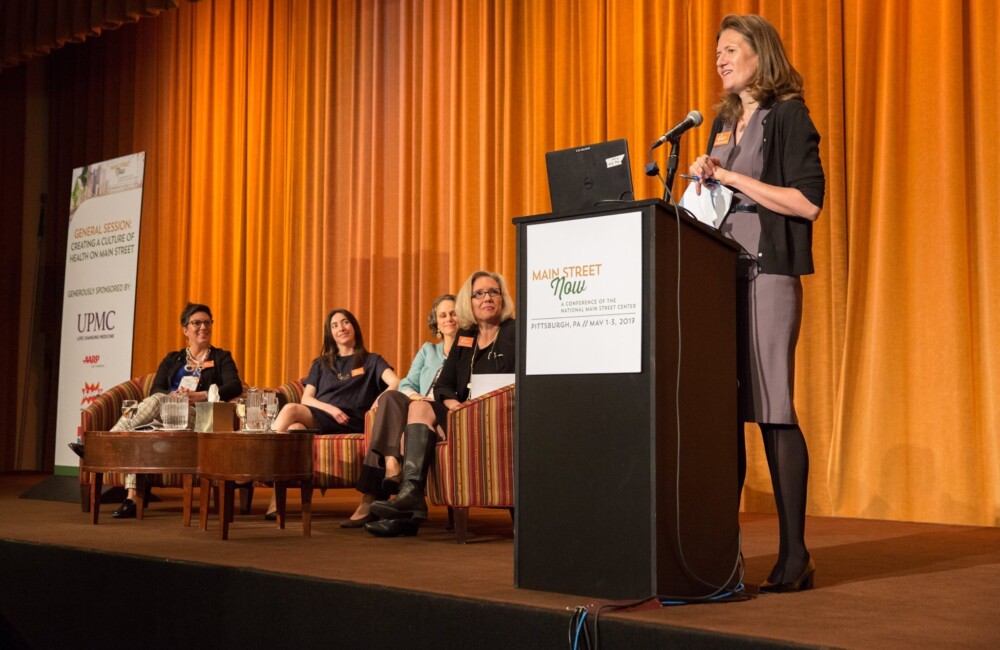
(463, 302)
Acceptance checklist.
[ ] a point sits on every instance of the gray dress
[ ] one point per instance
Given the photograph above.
(769, 306)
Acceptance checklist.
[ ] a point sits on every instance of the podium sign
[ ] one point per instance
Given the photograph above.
(619, 493)
(580, 294)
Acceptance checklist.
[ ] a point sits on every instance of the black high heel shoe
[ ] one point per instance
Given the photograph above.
(802, 583)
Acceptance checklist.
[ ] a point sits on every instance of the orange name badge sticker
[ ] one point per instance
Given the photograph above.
(207, 364)
(722, 138)
(465, 341)
(357, 372)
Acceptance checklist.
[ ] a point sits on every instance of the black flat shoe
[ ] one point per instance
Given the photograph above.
(358, 523)
(802, 583)
(271, 516)
(125, 511)
(393, 528)
(77, 448)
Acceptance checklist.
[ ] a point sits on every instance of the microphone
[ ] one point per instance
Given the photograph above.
(692, 120)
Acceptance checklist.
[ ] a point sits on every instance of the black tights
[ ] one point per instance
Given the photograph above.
(788, 462)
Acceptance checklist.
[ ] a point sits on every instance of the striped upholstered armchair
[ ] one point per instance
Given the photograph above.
(101, 415)
(474, 467)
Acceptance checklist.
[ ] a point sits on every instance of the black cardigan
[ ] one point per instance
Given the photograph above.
(223, 374)
(456, 373)
(791, 159)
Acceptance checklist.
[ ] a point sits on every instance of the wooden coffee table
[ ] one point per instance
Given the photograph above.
(234, 457)
(140, 453)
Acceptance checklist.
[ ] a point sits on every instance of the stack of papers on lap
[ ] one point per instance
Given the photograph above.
(482, 384)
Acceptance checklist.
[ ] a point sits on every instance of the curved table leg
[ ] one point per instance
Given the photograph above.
(140, 495)
(280, 494)
(188, 480)
(205, 486)
(226, 511)
(96, 483)
(306, 487)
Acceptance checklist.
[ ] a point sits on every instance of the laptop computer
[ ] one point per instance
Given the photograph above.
(590, 176)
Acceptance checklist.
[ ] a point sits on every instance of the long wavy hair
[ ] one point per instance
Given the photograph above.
(776, 79)
(330, 352)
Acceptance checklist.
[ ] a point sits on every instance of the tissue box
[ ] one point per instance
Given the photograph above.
(215, 416)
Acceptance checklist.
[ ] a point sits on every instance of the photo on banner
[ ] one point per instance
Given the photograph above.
(584, 296)
(102, 255)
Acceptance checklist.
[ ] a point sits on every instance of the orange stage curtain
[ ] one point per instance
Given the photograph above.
(917, 428)
(307, 154)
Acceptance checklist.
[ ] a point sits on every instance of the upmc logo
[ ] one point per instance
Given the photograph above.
(92, 358)
(95, 321)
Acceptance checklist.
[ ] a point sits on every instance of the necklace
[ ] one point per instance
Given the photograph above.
(489, 355)
(741, 125)
(343, 373)
(193, 364)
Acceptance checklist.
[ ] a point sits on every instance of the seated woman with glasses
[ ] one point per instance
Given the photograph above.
(342, 385)
(380, 472)
(484, 345)
(190, 372)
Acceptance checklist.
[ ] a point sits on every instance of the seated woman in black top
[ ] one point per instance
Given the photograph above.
(342, 385)
(189, 372)
(484, 345)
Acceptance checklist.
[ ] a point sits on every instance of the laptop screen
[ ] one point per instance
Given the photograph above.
(583, 178)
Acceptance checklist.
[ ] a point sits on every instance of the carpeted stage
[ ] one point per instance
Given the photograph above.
(157, 584)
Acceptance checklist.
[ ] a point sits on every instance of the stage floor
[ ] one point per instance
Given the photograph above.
(879, 584)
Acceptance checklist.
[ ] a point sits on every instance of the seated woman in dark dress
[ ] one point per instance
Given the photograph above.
(484, 345)
(343, 383)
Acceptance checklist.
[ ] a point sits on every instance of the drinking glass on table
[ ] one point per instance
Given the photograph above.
(270, 407)
(241, 412)
(129, 408)
(174, 412)
(255, 410)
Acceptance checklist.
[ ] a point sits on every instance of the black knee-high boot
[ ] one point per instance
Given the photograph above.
(788, 463)
(410, 502)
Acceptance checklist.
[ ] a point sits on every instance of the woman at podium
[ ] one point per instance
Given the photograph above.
(484, 345)
(765, 148)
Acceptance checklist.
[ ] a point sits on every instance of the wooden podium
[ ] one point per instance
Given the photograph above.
(618, 493)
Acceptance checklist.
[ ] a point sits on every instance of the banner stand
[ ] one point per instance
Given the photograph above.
(102, 255)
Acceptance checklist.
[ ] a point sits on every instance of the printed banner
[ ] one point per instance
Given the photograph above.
(102, 256)
(584, 296)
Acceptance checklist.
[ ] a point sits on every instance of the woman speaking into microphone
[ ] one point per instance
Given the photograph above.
(765, 147)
